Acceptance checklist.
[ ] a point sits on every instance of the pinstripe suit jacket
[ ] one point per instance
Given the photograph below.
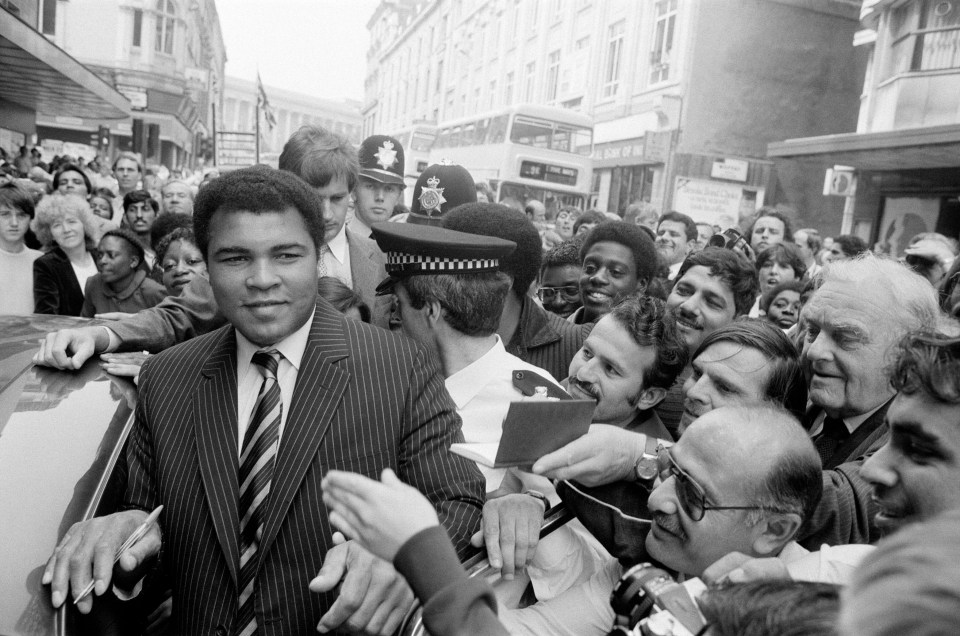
(365, 399)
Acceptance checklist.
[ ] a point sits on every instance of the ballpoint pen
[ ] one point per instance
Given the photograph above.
(130, 542)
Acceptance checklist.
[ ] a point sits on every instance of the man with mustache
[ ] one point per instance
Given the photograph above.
(741, 479)
(714, 286)
(618, 260)
(676, 237)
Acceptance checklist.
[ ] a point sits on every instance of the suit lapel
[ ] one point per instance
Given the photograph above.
(316, 397)
(363, 269)
(215, 425)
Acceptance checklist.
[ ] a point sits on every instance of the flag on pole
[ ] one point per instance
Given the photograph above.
(264, 105)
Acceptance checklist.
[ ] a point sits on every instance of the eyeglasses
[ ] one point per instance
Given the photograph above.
(689, 493)
(569, 292)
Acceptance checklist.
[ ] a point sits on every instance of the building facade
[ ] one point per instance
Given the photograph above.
(905, 151)
(685, 95)
(166, 57)
(291, 110)
(38, 79)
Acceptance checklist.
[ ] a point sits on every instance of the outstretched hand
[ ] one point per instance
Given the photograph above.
(603, 455)
(381, 516)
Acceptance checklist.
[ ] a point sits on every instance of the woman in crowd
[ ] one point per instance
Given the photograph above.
(781, 305)
(66, 228)
(70, 179)
(780, 263)
(180, 260)
(101, 203)
(122, 284)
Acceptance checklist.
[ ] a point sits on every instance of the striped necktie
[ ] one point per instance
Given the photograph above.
(830, 438)
(256, 470)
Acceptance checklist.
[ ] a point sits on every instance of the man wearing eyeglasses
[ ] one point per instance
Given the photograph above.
(559, 289)
(741, 479)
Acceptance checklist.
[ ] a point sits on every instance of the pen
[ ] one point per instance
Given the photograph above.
(130, 542)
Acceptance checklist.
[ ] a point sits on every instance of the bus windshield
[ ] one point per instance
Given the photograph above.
(552, 135)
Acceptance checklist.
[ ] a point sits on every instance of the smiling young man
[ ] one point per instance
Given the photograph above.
(915, 474)
(676, 237)
(140, 211)
(235, 430)
(16, 259)
(618, 260)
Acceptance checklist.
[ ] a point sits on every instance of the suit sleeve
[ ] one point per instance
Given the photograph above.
(846, 511)
(141, 490)
(452, 603)
(46, 288)
(175, 319)
(451, 482)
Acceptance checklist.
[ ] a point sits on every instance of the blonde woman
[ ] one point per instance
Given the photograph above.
(66, 228)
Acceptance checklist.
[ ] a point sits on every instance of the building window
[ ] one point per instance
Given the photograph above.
(48, 17)
(553, 74)
(926, 36)
(492, 95)
(666, 12)
(137, 26)
(529, 81)
(439, 75)
(508, 89)
(611, 71)
(166, 19)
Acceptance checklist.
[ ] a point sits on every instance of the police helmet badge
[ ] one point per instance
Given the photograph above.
(386, 155)
(431, 197)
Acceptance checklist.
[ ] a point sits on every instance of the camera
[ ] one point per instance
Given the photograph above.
(728, 239)
(648, 602)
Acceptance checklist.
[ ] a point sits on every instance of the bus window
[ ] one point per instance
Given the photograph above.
(530, 132)
(468, 136)
(481, 135)
(498, 129)
(454, 137)
(582, 141)
(443, 138)
(551, 200)
(421, 140)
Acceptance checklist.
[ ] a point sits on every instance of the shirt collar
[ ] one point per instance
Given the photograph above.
(127, 291)
(291, 347)
(464, 385)
(338, 245)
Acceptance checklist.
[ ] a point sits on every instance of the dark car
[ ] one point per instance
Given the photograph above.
(61, 437)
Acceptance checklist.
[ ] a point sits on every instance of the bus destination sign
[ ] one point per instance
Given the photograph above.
(548, 172)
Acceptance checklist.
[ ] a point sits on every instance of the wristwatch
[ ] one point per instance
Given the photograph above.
(646, 469)
(542, 498)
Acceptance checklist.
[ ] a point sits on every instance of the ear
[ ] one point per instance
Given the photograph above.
(649, 398)
(434, 312)
(642, 285)
(775, 531)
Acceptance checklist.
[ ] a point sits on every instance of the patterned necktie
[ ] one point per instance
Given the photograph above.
(256, 470)
(321, 263)
(833, 433)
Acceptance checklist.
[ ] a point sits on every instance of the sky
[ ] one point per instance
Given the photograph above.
(316, 47)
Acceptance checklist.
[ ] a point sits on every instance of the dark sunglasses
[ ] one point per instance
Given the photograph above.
(689, 493)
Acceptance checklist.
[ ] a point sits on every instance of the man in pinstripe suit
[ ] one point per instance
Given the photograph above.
(351, 396)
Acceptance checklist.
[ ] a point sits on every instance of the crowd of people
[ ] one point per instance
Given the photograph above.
(775, 411)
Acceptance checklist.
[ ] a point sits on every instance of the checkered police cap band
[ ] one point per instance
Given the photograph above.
(403, 263)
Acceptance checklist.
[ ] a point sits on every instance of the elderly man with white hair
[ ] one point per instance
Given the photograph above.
(853, 322)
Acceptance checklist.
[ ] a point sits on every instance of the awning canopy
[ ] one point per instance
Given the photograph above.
(909, 149)
(38, 75)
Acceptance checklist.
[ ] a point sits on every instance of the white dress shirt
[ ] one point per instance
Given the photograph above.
(337, 258)
(249, 378)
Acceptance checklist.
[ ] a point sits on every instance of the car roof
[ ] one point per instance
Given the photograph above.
(60, 435)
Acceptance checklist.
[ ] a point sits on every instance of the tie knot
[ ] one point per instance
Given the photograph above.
(267, 362)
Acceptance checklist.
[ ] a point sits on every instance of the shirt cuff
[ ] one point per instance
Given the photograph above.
(114, 340)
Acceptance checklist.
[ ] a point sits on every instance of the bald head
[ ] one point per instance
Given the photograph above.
(766, 445)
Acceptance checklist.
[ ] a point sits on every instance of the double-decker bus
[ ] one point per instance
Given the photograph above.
(416, 141)
(523, 152)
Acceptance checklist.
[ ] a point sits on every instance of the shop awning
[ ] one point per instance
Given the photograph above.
(38, 75)
(909, 149)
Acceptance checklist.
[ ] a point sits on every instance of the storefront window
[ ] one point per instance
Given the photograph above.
(629, 184)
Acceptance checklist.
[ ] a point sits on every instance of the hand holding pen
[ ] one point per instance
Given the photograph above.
(124, 540)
